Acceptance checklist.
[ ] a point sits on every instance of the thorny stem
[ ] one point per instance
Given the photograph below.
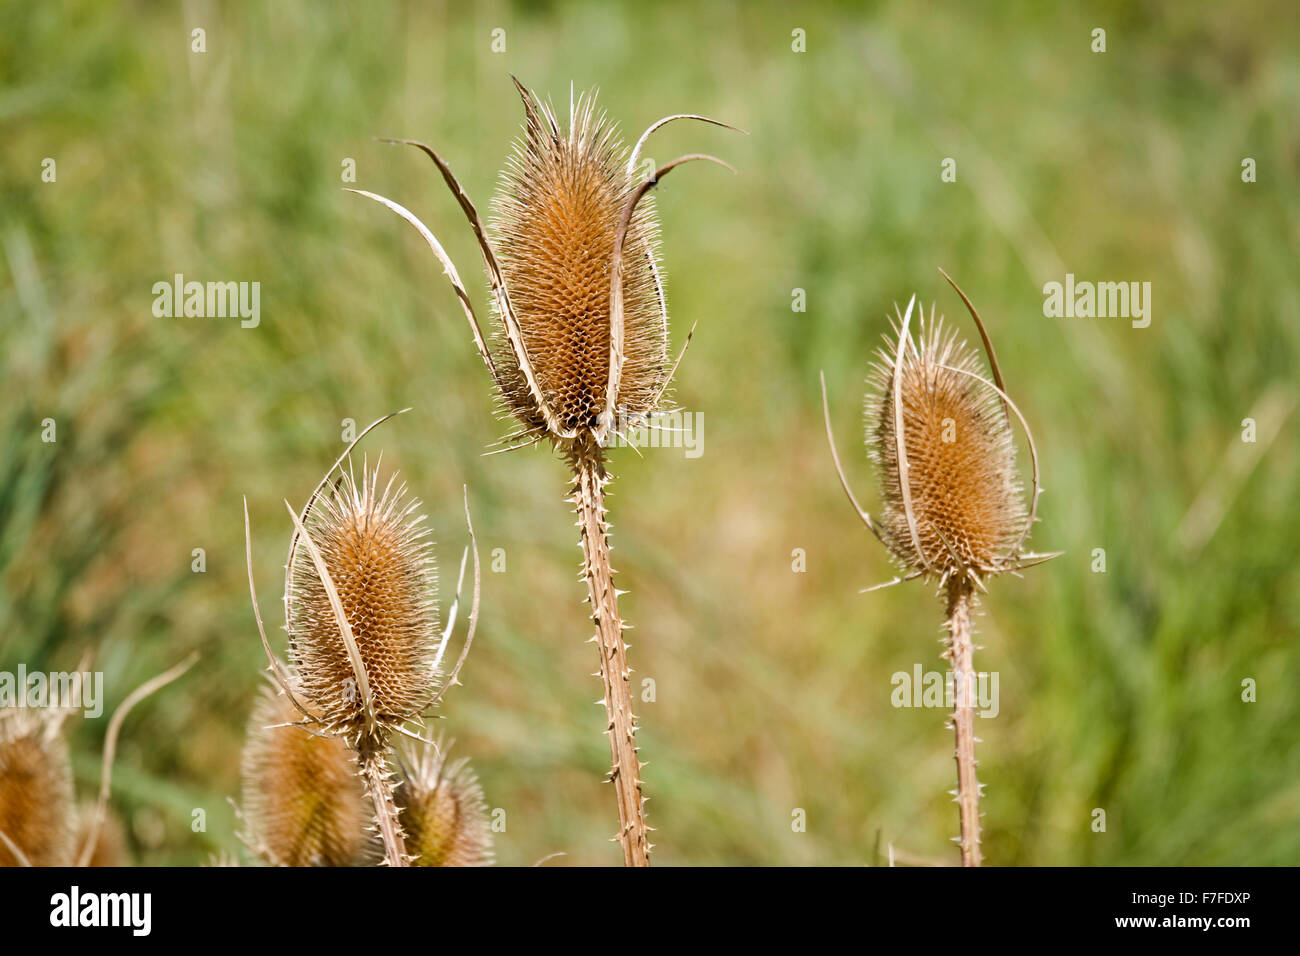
(960, 655)
(374, 771)
(589, 483)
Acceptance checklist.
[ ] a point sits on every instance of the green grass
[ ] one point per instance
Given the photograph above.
(1118, 690)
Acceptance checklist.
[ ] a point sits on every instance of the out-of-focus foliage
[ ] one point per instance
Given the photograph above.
(1118, 690)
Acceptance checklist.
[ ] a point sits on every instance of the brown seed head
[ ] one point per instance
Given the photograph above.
(557, 213)
(443, 811)
(303, 798)
(966, 496)
(36, 811)
(377, 551)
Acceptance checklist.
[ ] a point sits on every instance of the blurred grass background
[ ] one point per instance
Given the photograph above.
(1119, 691)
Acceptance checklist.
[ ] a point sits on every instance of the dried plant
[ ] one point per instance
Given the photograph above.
(39, 823)
(952, 504)
(442, 809)
(365, 645)
(36, 812)
(304, 803)
(581, 343)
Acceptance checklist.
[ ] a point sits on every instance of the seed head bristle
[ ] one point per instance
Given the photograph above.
(966, 496)
(442, 810)
(556, 215)
(303, 799)
(379, 556)
(36, 812)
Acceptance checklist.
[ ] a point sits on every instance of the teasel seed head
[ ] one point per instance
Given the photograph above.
(36, 810)
(966, 499)
(442, 809)
(303, 801)
(557, 216)
(380, 560)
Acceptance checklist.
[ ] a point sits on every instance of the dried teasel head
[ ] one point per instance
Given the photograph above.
(380, 565)
(582, 332)
(303, 801)
(939, 431)
(966, 502)
(36, 810)
(558, 215)
(442, 809)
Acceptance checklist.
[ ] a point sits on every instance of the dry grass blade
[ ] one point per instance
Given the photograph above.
(110, 749)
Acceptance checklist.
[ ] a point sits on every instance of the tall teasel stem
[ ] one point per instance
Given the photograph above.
(582, 336)
(590, 478)
(372, 757)
(960, 656)
(952, 504)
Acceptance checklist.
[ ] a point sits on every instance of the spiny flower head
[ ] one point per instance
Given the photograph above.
(303, 798)
(36, 811)
(380, 560)
(966, 499)
(442, 810)
(558, 211)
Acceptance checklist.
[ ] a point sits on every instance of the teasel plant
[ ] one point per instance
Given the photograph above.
(953, 510)
(40, 822)
(442, 808)
(365, 658)
(580, 345)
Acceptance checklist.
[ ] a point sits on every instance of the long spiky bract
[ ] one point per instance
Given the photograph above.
(442, 809)
(580, 342)
(303, 800)
(938, 429)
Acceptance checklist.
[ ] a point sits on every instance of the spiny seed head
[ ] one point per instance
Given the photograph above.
(442, 810)
(556, 216)
(303, 799)
(966, 496)
(36, 811)
(380, 559)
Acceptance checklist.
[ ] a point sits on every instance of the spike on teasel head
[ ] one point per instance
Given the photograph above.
(303, 801)
(36, 810)
(376, 548)
(442, 809)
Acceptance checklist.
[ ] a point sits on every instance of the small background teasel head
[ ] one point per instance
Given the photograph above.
(36, 810)
(380, 560)
(442, 808)
(303, 800)
(966, 498)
